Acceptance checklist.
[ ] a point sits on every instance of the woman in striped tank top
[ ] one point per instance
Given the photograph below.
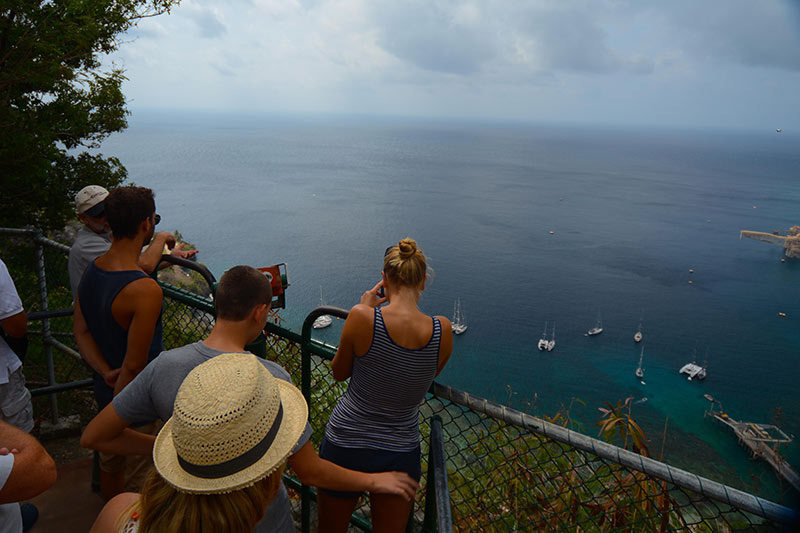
(391, 355)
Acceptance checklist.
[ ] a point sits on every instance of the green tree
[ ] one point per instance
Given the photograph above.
(57, 100)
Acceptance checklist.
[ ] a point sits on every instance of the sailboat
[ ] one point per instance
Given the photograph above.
(543, 341)
(598, 328)
(322, 321)
(639, 369)
(458, 324)
(637, 337)
(552, 342)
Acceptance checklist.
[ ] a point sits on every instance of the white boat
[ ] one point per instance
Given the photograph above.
(322, 321)
(693, 371)
(458, 324)
(543, 341)
(637, 337)
(598, 328)
(639, 369)
(552, 342)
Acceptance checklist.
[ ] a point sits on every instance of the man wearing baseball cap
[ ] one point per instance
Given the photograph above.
(94, 237)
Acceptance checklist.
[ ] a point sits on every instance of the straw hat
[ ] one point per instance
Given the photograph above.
(233, 424)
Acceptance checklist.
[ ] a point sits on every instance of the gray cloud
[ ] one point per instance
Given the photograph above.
(208, 23)
(569, 40)
(764, 33)
(431, 35)
(428, 35)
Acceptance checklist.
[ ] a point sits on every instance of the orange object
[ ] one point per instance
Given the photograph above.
(279, 280)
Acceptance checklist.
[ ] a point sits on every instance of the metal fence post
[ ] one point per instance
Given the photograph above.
(305, 387)
(48, 349)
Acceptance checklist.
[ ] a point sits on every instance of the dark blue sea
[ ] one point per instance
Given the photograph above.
(631, 212)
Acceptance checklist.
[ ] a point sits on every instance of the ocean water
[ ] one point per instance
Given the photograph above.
(631, 211)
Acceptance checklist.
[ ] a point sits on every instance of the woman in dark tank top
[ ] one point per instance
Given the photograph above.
(391, 355)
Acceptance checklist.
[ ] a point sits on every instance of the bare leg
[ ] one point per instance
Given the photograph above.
(389, 513)
(334, 513)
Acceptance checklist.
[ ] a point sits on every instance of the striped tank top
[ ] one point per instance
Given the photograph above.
(380, 409)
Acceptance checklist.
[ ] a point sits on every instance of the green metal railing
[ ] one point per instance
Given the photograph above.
(506, 470)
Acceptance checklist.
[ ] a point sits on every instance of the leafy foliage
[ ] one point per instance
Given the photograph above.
(56, 100)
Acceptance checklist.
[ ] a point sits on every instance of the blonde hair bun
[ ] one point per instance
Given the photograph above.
(404, 263)
(407, 248)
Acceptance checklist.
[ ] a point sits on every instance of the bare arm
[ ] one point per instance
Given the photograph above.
(342, 364)
(89, 349)
(109, 433)
(145, 297)
(313, 470)
(356, 333)
(16, 325)
(152, 254)
(34, 470)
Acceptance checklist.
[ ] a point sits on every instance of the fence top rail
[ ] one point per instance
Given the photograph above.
(682, 478)
(36, 235)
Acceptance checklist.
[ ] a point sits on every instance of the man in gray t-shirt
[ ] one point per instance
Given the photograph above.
(242, 303)
(152, 395)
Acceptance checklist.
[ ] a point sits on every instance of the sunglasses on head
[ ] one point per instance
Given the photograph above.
(156, 219)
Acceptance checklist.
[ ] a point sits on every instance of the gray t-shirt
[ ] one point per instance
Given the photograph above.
(87, 247)
(152, 395)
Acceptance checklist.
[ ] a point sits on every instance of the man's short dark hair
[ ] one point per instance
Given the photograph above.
(126, 207)
(240, 290)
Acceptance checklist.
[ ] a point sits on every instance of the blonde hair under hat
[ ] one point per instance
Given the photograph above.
(233, 424)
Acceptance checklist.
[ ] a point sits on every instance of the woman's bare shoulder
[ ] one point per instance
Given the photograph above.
(108, 517)
(362, 311)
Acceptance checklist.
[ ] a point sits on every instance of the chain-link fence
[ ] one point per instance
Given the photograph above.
(507, 470)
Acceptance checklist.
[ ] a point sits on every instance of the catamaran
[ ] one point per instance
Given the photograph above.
(639, 369)
(543, 341)
(598, 328)
(693, 370)
(322, 321)
(458, 323)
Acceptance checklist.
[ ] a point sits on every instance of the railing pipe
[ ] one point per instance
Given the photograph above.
(41, 275)
(56, 313)
(191, 265)
(62, 387)
(305, 388)
(63, 347)
(438, 515)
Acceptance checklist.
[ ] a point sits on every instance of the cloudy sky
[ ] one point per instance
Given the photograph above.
(730, 63)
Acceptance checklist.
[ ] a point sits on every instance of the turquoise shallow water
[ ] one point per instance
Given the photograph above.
(631, 211)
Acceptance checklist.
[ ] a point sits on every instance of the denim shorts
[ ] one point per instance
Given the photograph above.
(370, 461)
